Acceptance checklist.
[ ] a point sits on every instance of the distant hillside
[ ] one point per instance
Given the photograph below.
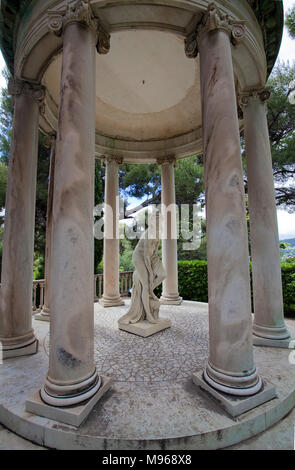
(290, 240)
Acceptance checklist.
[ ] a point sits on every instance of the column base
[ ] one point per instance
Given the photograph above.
(271, 332)
(60, 395)
(237, 385)
(108, 302)
(171, 299)
(44, 315)
(72, 415)
(288, 343)
(235, 405)
(145, 328)
(26, 348)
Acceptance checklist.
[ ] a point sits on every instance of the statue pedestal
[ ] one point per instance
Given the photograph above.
(145, 328)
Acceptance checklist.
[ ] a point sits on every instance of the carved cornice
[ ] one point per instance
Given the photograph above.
(23, 87)
(81, 13)
(245, 98)
(214, 20)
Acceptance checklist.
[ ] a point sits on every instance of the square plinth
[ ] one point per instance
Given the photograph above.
(109, 303)
(287, 343)
(144, 328)
(236, 406)
(28, 350)
(73, 415)
(42, 317)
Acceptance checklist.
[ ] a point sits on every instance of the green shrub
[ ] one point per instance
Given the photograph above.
(288, 281)
(193, 282)
(39, 267)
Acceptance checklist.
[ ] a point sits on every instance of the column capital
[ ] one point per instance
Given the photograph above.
(17, 87)
(49, 139)
(214, 20)
(245, 98)
(81, 12)
(167, 160)
(111, 159)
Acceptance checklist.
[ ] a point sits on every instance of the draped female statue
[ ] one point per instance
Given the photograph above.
(149, 273)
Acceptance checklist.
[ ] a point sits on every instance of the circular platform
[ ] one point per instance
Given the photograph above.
(153, 403)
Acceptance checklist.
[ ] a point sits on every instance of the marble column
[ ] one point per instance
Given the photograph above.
(269, 327)
(44, 315)
(230, 367)
(16, 334)
(72, 377)
(170, 294)
(111, 265)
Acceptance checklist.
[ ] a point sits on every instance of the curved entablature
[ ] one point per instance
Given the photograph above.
(269, 14)
(157, 111)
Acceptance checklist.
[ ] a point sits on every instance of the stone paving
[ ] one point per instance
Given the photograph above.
(278, 437)
(152, 382)
(173, 354)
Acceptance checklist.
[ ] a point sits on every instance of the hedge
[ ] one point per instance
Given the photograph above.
(193, 282)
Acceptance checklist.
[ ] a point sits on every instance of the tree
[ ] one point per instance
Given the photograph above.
(281, 119)
(6, 116)
(144, 181)
(3, 181)
(290, 21)
(141, 181)
(41, 198)
(98, 198)
(6, 119)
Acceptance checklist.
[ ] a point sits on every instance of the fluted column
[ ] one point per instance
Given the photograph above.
(16, 333)
(269, 327)
(44, 315)
(72, 377)
(111, 291)
(170, 294)
(230, 366)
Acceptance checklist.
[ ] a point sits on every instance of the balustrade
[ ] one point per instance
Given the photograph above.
(39, 289)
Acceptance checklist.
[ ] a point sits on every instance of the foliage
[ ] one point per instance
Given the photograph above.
(144, 181)
(98, 197)
(6, 118)
(288, 280)
(189, 181)
(3, 181)
(41, 196)
(281, 118)
(141, 181)
(193, 254)
(39, 266)
(1, 248)
(126, 252)
(193, 280)
(290, 21)
(288, 249)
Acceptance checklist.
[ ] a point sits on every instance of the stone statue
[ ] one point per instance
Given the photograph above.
(149, 273)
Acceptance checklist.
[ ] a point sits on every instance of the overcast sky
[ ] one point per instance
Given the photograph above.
(287, 52)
